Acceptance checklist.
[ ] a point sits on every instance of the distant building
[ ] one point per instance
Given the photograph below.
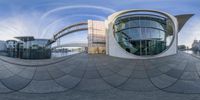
(182, 47)
(196, 45)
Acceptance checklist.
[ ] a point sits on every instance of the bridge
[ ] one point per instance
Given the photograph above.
(83, 26)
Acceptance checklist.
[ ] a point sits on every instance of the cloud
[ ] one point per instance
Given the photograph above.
(105, 9)
(54, 26)
(19, 25)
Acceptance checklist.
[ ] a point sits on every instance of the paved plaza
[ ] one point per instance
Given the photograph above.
(100, 77)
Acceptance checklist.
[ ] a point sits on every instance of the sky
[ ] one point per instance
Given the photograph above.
(43, 18)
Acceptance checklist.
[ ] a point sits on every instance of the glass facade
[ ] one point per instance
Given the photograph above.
(11, 48)
(96, 37)
(143, 34)
(29, 49)
(36, 49)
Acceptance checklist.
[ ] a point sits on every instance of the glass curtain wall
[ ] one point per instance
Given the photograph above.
(143, 34)
(11, 48)
(36, 49)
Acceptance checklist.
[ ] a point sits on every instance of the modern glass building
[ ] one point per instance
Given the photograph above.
(143, 34)
(29, 48)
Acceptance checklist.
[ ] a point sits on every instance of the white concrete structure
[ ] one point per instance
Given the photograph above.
(113, 48)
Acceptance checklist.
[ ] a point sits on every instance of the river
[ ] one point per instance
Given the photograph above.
(192, 52)
(62, 54)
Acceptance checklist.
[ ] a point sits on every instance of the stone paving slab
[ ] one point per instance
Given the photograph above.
(43, 87)
(4, 89)
(15, 82)
(138, 74)
(93, 85)
(115, 80)
(5, 73)
(68, 81)
(140, 85)
(175, 73)
(190, 76)
(55, 72)
(27, 73)
(41, 75)
(163, 81)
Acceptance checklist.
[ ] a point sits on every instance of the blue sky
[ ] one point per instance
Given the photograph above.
(43, 18)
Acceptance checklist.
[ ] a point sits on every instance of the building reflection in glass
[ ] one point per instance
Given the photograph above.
(143, 34)
(29, 48)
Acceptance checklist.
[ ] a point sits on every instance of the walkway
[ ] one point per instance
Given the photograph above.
(86, 77)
